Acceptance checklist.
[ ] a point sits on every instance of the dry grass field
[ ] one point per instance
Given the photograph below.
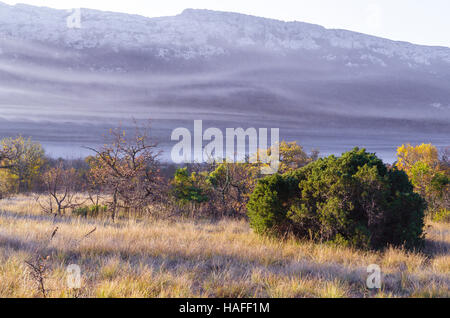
(186, 258)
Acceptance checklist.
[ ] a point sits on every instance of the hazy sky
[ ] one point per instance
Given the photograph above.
(417, 21)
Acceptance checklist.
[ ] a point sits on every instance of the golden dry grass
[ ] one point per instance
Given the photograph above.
(144, 258)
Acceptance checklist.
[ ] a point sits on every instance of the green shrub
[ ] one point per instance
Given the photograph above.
(186, 188)
(442, 215)
(91, 211)
(352, 200)
(267, 208)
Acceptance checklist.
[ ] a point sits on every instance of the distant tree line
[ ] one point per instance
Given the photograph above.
(354, 199)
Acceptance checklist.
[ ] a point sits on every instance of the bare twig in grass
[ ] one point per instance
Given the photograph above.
(39, 266)
(38, 272)
(87, 234)
(54, 233)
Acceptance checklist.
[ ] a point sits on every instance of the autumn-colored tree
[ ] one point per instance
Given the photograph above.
(408, 156)
(21, 162)
(428, 172)
(291, 156)
(127, 170)
(6, 156)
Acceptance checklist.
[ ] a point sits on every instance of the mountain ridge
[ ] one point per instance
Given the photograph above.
(202, 33)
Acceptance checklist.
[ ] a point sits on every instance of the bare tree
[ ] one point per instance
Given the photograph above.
(231, 185)
(93, 185)
(444, 158)
(128, 170)
(60, 185)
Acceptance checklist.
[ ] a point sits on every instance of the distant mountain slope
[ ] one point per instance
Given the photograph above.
(202, 33)
(327, 88)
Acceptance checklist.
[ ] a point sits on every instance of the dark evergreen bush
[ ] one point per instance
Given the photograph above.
(352, 200)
